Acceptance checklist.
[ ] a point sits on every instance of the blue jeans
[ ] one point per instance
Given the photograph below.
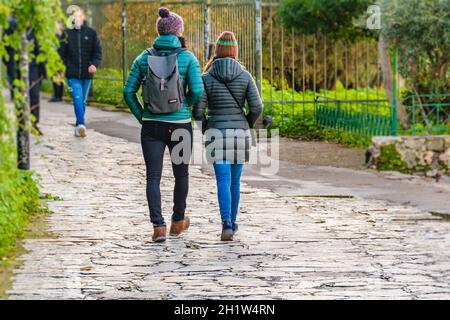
(79, 91)
(228, 178)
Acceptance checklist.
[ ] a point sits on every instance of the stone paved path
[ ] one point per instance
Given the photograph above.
(287, 248)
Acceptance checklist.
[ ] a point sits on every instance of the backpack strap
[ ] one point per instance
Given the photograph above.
(153, 52)
(177, 51)
(252, 136)
(231, 93)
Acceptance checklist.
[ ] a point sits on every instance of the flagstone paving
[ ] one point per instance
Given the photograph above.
(287, 247)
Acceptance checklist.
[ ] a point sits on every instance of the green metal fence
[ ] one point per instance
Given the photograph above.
(363, 118)
(427, 114)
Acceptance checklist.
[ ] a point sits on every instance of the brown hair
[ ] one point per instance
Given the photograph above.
(209, 64)
(212, 54)
(183, 41)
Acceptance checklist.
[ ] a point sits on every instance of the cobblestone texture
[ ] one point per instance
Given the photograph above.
(287, 247)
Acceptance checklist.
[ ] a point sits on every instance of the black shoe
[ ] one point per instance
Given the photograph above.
(54, 99)
(227, 231)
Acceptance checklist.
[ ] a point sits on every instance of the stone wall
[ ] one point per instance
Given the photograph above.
(425, 155)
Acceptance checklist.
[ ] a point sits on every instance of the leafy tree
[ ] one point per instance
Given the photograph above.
(421, 31)
(329, 17)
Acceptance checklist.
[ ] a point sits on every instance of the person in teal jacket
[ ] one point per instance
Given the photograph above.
(157, 129)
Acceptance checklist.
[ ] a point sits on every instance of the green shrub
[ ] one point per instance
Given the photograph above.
(19, 194)
(106, 91)
(390, 160)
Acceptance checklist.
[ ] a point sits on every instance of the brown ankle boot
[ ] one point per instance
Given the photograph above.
(178, 227)
(159, 234)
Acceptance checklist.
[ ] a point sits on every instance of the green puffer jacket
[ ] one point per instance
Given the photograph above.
(189, 69)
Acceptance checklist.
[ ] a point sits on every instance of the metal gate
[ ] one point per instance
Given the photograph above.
(128, 27)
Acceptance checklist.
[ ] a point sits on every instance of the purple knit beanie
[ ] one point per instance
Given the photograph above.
(169, 23)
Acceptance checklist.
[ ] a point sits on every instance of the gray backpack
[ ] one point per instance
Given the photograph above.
(162, 90)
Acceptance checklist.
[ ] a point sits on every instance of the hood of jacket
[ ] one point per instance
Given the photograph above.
(226, 69)
(166, 42)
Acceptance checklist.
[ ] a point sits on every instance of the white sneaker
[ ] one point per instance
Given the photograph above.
(80, 131)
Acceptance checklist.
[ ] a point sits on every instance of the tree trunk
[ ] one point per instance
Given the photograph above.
(23, 111)
(386, 70)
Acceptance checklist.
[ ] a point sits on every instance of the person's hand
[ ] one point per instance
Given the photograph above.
(92, 69)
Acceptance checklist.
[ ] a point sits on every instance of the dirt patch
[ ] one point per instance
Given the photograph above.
(321, 153)
(36, 228)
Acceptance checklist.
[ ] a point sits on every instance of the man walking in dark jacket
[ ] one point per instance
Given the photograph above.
(82, 54)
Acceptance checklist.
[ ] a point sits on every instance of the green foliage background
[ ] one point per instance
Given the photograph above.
(328, 25)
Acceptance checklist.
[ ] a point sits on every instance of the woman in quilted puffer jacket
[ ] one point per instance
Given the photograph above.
(228, 86)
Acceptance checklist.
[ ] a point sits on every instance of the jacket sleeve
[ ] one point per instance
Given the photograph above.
(254, 102)
(194, 82)
(200, 108)
(199, 113)
(131, 89)
(97, 52)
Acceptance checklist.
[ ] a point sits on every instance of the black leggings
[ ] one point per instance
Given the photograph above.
(155, 136)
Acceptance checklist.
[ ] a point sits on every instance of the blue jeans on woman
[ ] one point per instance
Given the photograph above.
(79, 91)
(228, 178)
